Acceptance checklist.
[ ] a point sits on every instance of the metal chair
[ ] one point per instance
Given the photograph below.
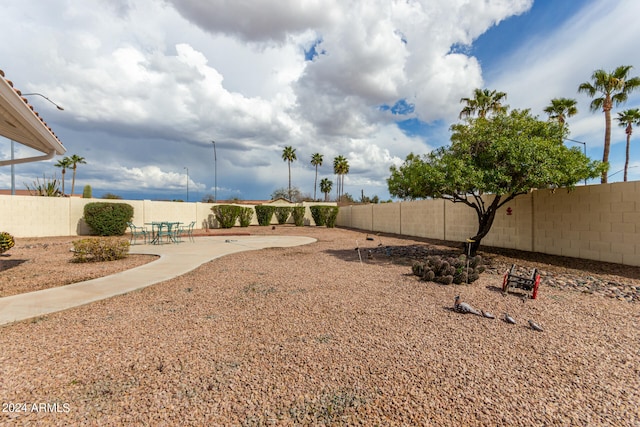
(137, 232)
(188, 231)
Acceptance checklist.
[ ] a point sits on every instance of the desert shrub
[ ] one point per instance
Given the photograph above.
(227, 215)
(282, 214)
(324, 215)
(449, 269)
(6, 242)
(332, 216)
(97, 249)
(319, 215)
(246, 215)
(298, 215)
(264, 214)
(108, 219)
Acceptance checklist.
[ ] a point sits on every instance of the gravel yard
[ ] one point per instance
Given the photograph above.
(309, 335)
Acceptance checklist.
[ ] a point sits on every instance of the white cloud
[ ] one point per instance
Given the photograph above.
(147, 85)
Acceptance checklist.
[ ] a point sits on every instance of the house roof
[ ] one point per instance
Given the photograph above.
(21, 123)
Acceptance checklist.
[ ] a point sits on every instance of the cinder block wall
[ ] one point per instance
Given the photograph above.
(599, 222)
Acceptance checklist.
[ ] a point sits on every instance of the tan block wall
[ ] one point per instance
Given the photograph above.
(599, 222)
(387, 218)
(423, 218)
(30, 216)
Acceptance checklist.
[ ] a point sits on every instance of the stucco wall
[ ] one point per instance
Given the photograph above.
(31, 216)
(599, 222)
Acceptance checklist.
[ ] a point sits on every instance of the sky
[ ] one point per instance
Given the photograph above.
(147, 85)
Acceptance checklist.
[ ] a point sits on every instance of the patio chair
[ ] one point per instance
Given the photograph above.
(187, 230)
(137, 232)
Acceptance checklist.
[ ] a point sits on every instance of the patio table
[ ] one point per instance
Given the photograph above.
(160, 229)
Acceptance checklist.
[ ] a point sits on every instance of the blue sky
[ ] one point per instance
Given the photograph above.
(147, 85)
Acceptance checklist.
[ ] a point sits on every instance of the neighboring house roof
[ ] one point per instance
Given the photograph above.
(21, 123)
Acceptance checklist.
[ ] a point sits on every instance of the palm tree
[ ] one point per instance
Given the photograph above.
(340, 168)
(316, 160)
(560, 109)
(614, 88)
(289, 155)
(75, 161)
(325, 187)
(627, 119)
(484, 101)
(65, 164)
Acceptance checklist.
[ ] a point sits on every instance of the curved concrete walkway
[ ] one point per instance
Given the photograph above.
(175, 260)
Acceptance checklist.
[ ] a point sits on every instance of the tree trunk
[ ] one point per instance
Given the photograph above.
(626, 160)
(607, 137)
(289, 181)
(315, 184)
(485, 221)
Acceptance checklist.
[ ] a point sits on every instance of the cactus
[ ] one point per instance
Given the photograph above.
(418, 268)
(429, 275)
(86, 192)
(449, 269)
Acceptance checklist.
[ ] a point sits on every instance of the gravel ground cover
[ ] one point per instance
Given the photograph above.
(311, 335)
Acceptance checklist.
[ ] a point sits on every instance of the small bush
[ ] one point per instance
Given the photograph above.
(108, 219)
(282, 214)
(6, 242)
(264, 214)
(227, 215)
(298, 216)
(324, 215)
(100, 249)
(246, 215)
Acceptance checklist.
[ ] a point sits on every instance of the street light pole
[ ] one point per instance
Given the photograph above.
(187, 183)
(215, 173)
(39, 94)
(13, 171)
(584, 145)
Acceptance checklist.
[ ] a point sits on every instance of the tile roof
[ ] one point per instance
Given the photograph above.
(20, 122)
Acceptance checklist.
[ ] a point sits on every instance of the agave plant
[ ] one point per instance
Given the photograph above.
(47, 188)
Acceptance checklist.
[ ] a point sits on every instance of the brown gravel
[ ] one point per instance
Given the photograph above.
(310, 336)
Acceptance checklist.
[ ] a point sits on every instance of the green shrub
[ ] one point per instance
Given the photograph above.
(298, 216)
(227, 215)
(282, 214)
(246, 215)
(332, 216)
(324, 215)
(108, 219)
(86, 192)
(319, 215)
(97, 249)
(6, 242)
(264, 214)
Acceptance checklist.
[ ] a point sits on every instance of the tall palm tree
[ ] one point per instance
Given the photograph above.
(560, 109)
(289, 155)
(627, 119)
(75, 161)
(64, 163)
(325, 187)
(613, 88)
(340, 168)
(316, 160)
(484, 101)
